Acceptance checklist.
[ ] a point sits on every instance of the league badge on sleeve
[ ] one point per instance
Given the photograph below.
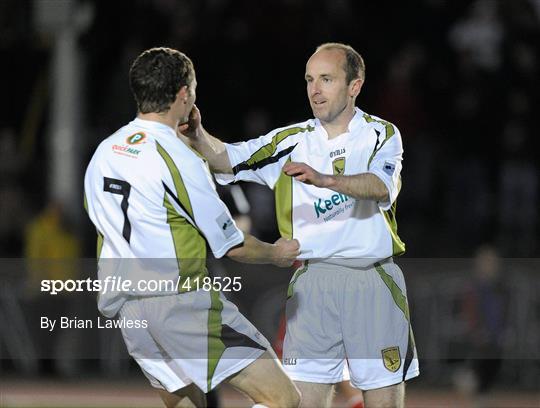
(226, 224)
(389, 168)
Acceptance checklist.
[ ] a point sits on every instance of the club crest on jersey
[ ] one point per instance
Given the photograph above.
(137, 138)
(338, 166)
(391, 358)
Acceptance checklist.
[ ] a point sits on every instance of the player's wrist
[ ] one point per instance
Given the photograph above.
(276, 253)
(328, 181)
(198, 134)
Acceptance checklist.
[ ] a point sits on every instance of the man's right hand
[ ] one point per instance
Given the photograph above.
(193, 133)
(193, 123)
(287, 250)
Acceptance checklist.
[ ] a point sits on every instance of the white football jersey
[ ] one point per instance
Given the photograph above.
(155, 206)
(328, 224)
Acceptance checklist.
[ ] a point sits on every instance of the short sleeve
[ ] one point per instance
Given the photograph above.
(260, 160)
(204, 208)
(386, 163)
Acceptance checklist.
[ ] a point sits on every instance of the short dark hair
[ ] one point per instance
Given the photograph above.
(156, 76)
(354, 63)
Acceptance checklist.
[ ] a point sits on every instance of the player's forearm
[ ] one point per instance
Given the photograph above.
(254, 251)
(365, 186)
(213, 150)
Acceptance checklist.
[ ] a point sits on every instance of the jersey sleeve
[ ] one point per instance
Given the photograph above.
(386, 163)
(194, 196)
(259, 160)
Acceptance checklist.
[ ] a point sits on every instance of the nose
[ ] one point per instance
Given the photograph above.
(314, 88)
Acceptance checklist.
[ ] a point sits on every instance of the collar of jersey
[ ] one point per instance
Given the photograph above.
(356, 120)
(151, 124)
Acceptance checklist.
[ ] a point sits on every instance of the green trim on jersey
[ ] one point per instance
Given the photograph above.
(99, 243)
(269, 149)
(283, 192)
(398, 246)
(199, 155)
(189, 247)
(177, 179)
(395, 291)
(389, 130)
(216, 347)
(297, 274)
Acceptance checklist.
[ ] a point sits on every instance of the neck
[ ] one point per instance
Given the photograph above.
(340, 124)
(164, 118)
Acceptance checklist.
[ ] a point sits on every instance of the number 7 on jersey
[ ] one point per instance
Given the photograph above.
(122, 188)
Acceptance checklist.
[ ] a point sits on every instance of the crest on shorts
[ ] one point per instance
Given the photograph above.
(338, 166)
(391, 358)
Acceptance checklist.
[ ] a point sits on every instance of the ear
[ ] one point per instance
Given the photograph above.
(355, 87)
(182, 94)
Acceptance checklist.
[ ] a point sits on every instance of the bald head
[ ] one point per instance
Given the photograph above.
(353, 63)
(332, 86)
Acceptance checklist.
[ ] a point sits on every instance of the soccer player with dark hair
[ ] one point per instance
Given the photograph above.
(155, 208)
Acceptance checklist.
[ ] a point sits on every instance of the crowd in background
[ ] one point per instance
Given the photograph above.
(460, 80)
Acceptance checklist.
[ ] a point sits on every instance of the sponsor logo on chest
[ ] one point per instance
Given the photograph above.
(337, 152)
(321, 206)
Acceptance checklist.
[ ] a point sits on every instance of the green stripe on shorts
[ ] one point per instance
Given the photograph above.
(401, 302)
(297, 274)
(397, 295)
(216, 347)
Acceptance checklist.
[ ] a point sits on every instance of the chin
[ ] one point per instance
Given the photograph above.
(319, 115)
(322, 118)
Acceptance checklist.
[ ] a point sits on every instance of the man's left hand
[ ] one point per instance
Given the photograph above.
(306, 174)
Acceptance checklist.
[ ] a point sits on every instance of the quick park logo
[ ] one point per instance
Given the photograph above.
(127, 150)
(137, 138)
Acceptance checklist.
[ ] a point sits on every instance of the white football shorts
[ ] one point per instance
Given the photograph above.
(359, 315)
(195, 337)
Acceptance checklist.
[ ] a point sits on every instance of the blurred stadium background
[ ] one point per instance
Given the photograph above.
(461, 79)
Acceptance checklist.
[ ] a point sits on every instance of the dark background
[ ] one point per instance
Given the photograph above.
(460, 79)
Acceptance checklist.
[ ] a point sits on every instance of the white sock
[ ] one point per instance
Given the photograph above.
(259, 406)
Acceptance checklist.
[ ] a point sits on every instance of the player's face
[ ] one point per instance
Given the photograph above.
(191, 97)
(192, 94)
(327, 88)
